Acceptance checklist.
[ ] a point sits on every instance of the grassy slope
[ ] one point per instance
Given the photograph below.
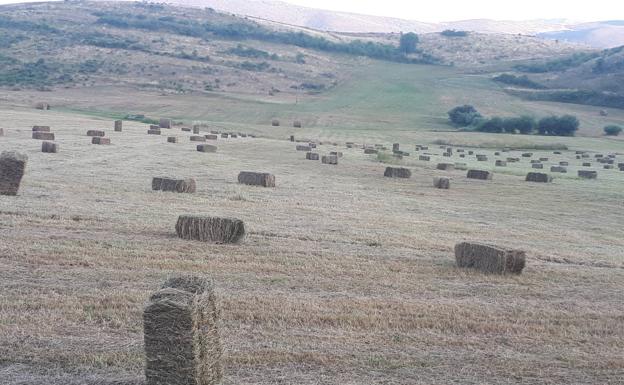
(391, 99)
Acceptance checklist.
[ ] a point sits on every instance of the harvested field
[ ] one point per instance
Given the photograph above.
(341, 278)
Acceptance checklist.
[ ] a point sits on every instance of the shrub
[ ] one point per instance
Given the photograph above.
(453, 33)
(464, 115)
(565, 125)
(612, 130)
(522, 81)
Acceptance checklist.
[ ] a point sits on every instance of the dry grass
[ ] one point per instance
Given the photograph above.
(345, 277)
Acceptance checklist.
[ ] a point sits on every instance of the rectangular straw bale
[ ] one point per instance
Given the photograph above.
(489, 258)
(256, 178)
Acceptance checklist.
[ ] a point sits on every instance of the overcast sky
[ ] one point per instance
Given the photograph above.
(450, 10)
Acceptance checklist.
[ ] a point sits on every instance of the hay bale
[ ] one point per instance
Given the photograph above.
(49, 147)
(296, 124)
(206, 148)
(538, 177)
(300, 147)
(585, 156)
(172, 139)
(186, 129)
(557, 152)
(118, 125)
(275, 123)
(462, 155)
(329, 159)
(479, 174)
(12, 167)
(292, 138)
(446, 166)
(210, 229)
(395, 147)
(397, 172)
(370, 151)
(425, 158)
(211, 137)
(181, 334)
(470, 152)
(153, 131)
(164, 123)
(587, 174)
(543, 159)
(560, 169)
(489, 258)
(537, 165)
(460, 150)
(42, 135)
(500, 163)
(198, 138)
(460, 166)
(607, 166)
(100, 140)
(513, 160)
(41, 128)
(578, 152)
(535, 161)
(482, 158)
(196, 130)
(95, 133)
(497, 153)
(312, 156)
(234, 136)
(586, 164)
(312, 145)
(224, 136)
(256, 179)
(598, 156)
(442, 182)
(154, 127)
(527, 155)
(42, 106)
(174, 185)
(563, 163)
(215, 132)
(336, 153)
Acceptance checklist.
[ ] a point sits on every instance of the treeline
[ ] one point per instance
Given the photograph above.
(468, 117)
(557, 64)
(520, 81)
(239, 30)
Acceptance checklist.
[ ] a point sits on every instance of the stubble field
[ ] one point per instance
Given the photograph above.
(345, 276)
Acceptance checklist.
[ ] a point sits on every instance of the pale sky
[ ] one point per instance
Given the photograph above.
(451, 10)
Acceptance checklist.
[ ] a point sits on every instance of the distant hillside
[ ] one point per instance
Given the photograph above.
(178, 49)
(595, 78)
(607, 34)
(600, 34)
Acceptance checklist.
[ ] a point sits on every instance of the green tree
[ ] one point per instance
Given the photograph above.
(523, 125)
(408, 43)
(612, 130)
(463, 116)
(565, 125)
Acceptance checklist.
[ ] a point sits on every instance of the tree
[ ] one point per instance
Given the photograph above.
(565, 125)
(408, 43)
(494, 125)
(465, 115)
(612, 130)
(523, 124)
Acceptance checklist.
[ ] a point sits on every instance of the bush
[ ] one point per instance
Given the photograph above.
(463, 116)
(565, 125)
(612, 130)
(453, 33)
(522, 81)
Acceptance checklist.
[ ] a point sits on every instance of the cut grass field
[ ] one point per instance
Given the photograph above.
(345, 277)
